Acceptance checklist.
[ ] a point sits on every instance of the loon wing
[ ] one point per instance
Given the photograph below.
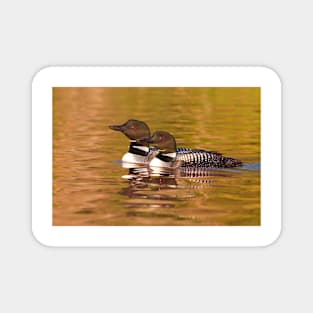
(205, 158)
(182, 149)
(205, 151)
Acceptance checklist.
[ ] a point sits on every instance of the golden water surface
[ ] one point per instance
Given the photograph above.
(90, 186)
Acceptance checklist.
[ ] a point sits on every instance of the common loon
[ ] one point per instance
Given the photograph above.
(134, 130)
(138, 153)
(168, 158)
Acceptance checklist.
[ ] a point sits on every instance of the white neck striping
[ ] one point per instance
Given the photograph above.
(171, 154)
(142, 148)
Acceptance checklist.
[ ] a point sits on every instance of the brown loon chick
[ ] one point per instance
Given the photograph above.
(167, 156)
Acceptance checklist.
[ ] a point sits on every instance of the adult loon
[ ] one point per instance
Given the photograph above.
(138, 153)
(168, 158)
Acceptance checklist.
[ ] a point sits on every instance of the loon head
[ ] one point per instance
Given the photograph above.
(162, 140)
(133, 129)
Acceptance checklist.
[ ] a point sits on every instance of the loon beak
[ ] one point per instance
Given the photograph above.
(116, 127)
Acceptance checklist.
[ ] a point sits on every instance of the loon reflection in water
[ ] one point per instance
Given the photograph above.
(149, 190)
(154, 191)
(143, 177)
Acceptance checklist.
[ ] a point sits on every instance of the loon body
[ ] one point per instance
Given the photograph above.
(138, 153)
(169, 158)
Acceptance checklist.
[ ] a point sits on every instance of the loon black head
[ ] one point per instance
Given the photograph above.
(133, 129)
(162, 140)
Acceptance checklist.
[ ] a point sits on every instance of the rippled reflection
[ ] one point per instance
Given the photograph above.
(150, 183)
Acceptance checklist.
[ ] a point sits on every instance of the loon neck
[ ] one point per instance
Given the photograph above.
(167, 157)
(137, 148)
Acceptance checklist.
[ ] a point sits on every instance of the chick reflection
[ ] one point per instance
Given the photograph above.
(165, 187)
(142, 185)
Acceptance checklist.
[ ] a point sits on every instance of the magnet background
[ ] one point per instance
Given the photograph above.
(37, 34)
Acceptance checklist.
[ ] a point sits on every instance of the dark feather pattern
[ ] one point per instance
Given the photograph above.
(203, 158)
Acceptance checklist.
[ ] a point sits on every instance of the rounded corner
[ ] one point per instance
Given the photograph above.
(40, 73)
(274, 238)
(39, 240)
(272, 74)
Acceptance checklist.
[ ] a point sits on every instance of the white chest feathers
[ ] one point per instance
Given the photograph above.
(156, 162)
(134, 158)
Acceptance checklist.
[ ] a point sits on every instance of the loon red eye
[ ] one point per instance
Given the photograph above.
(132, 127)
(161, 137)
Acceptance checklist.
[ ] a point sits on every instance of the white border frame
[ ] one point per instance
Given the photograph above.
(162, 236)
